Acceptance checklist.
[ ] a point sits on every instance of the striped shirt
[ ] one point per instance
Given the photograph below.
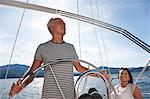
(50, 51)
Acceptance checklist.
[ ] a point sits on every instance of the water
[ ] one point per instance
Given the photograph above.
(34, 90)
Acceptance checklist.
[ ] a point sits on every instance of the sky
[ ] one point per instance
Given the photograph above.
(110, 49)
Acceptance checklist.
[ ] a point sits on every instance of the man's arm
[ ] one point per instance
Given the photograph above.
(79, 67)
(36, 64)
(15, 89)
(82, 69)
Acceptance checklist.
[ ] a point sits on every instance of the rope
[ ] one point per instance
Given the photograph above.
(99, 51)
(58, 85)
(11, 55)
(79, 29)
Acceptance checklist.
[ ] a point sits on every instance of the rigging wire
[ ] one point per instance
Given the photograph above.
(79, 34)
(97, 41)
(103, 40)
(141, 73)
(12, 52)
(18, 30)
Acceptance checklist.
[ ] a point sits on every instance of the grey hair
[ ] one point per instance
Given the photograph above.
(51, 21)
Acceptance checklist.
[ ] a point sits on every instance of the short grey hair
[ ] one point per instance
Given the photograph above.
(52, 20)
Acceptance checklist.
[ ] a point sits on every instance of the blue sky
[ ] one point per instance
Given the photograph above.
(132, 15)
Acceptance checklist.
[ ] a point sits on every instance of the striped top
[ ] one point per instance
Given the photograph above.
(50, 51)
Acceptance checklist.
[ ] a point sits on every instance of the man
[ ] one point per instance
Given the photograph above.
(52, 50)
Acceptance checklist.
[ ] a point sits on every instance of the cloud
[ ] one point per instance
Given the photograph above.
(34, 31)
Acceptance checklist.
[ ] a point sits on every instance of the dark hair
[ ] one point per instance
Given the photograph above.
(94, 93)
(85, 96)
(130, 76)
(92, 90)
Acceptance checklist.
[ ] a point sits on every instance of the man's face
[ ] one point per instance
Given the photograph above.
(58, 27)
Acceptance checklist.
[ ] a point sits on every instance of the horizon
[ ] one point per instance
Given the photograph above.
(132, 15)
(97, 66)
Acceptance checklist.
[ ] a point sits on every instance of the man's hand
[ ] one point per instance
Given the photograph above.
(15, 88)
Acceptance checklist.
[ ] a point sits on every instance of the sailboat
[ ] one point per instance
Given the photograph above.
(116, 29)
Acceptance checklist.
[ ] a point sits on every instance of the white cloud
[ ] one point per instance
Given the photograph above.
(34, 32)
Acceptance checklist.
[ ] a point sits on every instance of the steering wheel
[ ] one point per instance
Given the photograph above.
(108, 86)
(94, 70)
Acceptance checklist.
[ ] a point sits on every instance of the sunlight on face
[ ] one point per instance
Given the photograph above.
(58, 27)
(124, 76)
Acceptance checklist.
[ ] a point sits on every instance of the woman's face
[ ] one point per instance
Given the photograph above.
(124, 76)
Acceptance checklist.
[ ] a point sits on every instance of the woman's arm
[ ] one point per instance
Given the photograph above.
(137, 93)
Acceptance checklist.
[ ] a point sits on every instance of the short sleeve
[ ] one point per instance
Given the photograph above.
(38, 53)
(75, 53)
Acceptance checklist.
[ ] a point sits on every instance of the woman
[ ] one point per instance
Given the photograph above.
(126, 89)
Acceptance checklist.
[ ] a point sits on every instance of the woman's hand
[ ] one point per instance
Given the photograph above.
(105, 74)
(15, 88)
